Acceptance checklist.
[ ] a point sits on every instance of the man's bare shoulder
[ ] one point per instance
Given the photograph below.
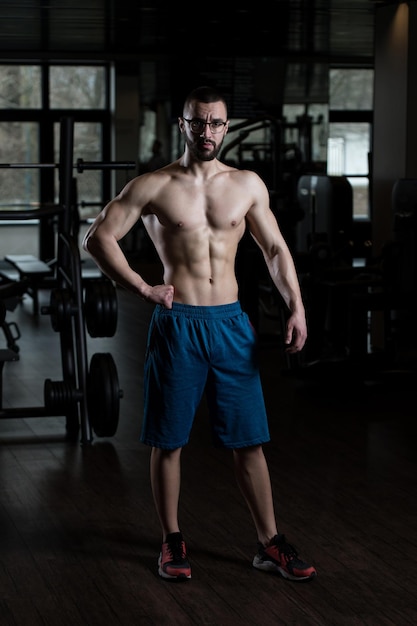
(246, 177)
(150, 181)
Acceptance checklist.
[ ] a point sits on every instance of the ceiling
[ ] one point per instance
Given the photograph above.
(332, 30)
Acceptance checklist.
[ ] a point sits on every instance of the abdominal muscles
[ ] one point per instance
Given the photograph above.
(201, 269)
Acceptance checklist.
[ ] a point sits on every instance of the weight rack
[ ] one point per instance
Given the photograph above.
(89, 394)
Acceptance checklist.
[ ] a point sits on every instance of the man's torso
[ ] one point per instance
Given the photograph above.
(196, 226)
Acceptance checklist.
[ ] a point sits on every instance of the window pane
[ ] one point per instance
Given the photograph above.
(348, 155)
(88, 147)
(148, 135)
(353, 142)
(317, 114)
(351, 89)
(19, 143)
(292, 111)
(306, 82)
(360, 191)
(20, 87)
(77, 87)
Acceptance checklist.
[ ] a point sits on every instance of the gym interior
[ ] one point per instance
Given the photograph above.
(322, 103)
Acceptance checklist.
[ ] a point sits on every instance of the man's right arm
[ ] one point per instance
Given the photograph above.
(102, 242)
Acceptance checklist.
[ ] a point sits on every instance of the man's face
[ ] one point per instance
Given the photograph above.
(199, 124)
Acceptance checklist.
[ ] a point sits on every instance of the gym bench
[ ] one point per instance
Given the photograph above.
(33, 271)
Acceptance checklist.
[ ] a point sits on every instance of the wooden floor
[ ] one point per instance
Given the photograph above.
(79, 538)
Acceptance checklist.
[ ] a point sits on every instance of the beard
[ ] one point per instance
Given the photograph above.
(195, 147)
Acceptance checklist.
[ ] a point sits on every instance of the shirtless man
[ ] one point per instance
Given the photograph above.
(195, 210)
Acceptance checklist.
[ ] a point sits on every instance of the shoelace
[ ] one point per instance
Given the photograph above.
(176, 550)
(286, 549)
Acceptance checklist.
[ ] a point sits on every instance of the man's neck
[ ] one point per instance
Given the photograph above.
(205, 168)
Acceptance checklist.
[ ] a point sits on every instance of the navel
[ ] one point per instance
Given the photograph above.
(210, 280)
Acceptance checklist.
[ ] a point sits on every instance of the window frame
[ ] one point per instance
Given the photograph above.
(46, 118)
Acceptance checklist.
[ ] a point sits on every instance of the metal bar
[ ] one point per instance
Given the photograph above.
(98, 165)
(65, 175)
(29, 214)
(28, 411)
(28, 165)
(80, 166)
(75, 282)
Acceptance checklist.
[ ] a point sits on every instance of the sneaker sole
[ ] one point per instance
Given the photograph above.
(269, 566)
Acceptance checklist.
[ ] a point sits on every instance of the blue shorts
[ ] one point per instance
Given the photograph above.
(197, 349)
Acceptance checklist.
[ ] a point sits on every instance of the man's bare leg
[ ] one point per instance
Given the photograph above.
(165, 482)
(253, 478)
(275, 554)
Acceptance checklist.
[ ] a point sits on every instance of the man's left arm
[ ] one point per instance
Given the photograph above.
(265, 230)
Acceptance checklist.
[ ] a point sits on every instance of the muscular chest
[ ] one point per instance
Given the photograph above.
(190, 209)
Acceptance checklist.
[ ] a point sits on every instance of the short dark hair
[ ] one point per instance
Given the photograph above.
(204, 94)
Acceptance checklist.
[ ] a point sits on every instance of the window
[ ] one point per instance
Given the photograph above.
(88, 147)
(29, 130)
(348, 155)
(77, 87)
(20, 87)
(351, 89)
(19, 143)
(33, 100)
(350, 132)
(315, 133)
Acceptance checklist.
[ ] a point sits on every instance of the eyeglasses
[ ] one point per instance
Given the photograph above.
(198, 126)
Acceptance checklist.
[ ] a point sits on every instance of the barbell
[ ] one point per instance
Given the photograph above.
(80, 165)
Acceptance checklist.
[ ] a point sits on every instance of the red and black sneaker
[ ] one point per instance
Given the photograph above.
(281, 557)
(173, 563)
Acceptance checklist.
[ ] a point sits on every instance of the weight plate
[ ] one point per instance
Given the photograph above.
(60, 397)
(103, 394)
(100, 307)
(61, 308)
